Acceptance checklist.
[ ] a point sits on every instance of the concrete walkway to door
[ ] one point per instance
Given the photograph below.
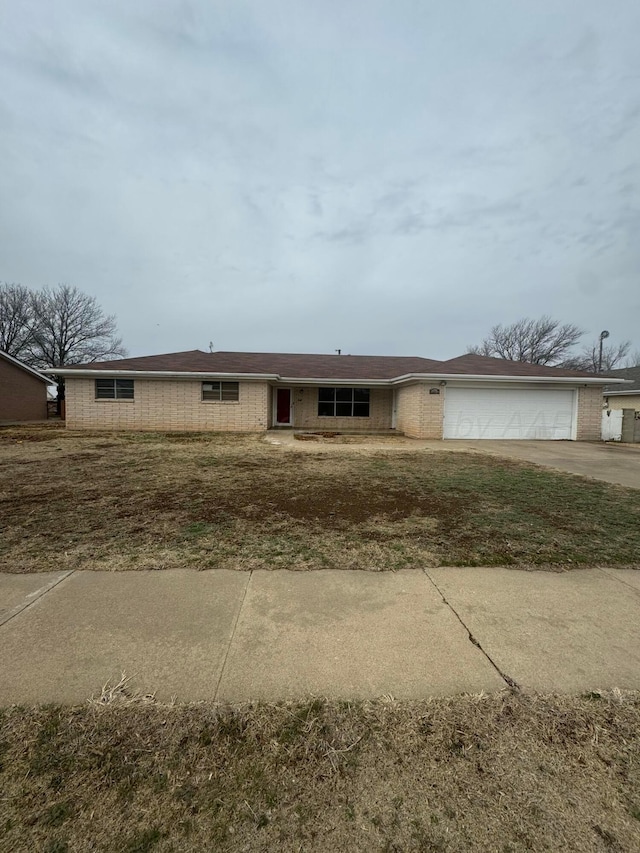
(235, 636)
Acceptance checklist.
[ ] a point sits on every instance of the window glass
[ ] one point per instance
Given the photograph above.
(114, 389)
(124, 389)
(325, 410)
(230, 392)
(105, 389)
(349, 402)
(226, 392)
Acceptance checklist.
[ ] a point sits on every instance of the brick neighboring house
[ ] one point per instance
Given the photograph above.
(23, 391)
(626, 396)
(467, 397)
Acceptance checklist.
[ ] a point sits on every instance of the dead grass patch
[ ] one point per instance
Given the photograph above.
(137, 500)
(503, 772)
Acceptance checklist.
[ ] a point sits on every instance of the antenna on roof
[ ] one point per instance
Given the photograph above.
(210, 346)
(339, 351)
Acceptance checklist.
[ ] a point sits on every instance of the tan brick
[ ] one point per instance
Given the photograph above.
(590, 405)
(166, 404)
(23, 397)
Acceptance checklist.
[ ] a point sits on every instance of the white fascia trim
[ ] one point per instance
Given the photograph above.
(621, 393)
(564, 380)
(157, 374)
(365, 383)
(26, 367)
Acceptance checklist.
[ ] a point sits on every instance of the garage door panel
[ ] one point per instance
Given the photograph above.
(503, 413)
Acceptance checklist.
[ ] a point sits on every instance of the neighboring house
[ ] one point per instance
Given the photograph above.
(624, 396)
(23, 391)
(467, 397)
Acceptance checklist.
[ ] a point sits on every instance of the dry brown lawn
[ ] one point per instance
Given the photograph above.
(151, 500)
(504, 773)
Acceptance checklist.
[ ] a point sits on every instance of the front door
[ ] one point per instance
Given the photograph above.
(283, 405)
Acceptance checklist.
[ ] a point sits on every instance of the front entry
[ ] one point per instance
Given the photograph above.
(283, 406)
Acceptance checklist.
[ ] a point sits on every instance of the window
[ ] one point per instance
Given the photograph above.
(114, 389)
(343, 402)
(221, 392)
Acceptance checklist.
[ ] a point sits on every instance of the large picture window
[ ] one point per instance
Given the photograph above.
(114, 389)
(221, 392)
(343, 402)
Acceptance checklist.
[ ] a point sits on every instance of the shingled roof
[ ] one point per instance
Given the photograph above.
(482, 365)
(290, 365)
(632, 373)
(299, 366)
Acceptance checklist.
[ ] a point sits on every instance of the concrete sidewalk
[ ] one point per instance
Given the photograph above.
(233, 636)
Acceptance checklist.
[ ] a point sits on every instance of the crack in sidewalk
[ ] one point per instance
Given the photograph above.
(32, 597)
(233, 633)
(503, 675)
(608, 574)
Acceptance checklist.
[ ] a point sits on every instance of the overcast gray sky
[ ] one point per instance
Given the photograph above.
(384, 177)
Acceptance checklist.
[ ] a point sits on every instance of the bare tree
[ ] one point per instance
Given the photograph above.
(589, 357)
(71, 328)
(542, 341)
(17, 319)
(633, 360)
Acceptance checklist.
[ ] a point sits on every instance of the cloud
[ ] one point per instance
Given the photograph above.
(388, 176)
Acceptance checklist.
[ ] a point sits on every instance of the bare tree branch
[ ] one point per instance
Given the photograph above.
(589, 357)
(70, 328)
(633, 360)
(542, 341)
(17, 319)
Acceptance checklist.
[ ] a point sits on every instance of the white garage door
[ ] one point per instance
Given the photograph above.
(508, 413)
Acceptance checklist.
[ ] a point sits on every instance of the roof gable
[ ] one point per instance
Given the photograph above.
(22, 366)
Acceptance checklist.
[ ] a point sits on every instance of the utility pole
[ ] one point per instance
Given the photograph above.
(339, 351)
(604, 334)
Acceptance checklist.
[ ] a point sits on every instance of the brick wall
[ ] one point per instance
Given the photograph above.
(305, 411)
(168, 405)
(629, 401)
(590, 405)
(22, 396)
(419, 413)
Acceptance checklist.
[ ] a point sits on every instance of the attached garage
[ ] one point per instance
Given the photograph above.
(510, 413)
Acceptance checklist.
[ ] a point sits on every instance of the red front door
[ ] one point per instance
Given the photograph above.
(283, 406)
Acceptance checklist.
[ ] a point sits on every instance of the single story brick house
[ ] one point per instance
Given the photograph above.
(23, 391)
(466, 397)
(624, 396)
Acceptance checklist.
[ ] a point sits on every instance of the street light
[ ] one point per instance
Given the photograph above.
(604, 334)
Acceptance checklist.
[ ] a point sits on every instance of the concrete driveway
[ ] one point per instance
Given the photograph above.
(614, 463)
(236, 636)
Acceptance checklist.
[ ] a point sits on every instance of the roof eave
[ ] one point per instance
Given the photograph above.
(315, 380)
(86, 373)
(484, 377)
(331, 380)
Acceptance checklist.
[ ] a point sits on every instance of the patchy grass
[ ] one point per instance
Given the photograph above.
(150, 500)
(504, 772)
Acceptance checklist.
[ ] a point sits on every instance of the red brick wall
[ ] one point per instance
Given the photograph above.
(22, 396)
